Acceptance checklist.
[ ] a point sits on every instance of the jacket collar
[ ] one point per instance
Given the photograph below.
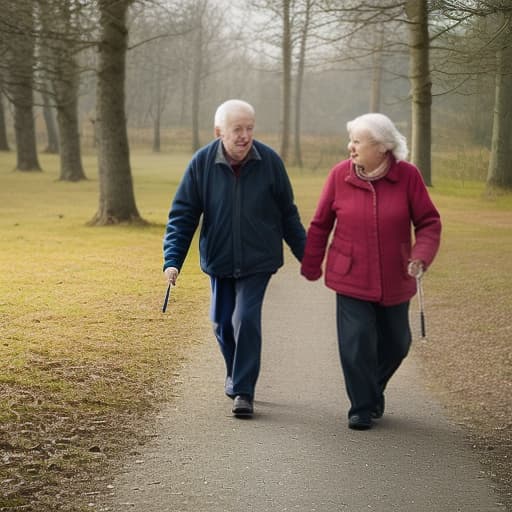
(220, 157)
(393, 175)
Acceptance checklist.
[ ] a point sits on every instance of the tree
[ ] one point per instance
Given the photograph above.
(4, 144)
(277, 32)
(20, 44)
(421, 87)
(307, 14)
(52, 145)
(491, 46)
(499, 172)
(60, 42)
(117, 199)
(286, 94)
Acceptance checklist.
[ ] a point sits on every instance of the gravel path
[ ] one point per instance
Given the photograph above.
(297, 452)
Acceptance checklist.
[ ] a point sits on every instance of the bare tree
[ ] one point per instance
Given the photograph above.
(421, 87)
(52, 145)
(286, 95)
(60, 42)
(489, 49)
(499, 172)
(117, 199)
(19, 42)
(4, 144)
(377, 70)
(277, 31)
(307, 14)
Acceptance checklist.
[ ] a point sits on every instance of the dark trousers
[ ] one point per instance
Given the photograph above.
(236, 316)
(373, 340)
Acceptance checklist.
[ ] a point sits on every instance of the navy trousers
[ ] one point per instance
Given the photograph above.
(236, 315)
(373, 341)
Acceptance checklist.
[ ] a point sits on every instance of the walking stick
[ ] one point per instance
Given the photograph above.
(419, 286)
(166, 300)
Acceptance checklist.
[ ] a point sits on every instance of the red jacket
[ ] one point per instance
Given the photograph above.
(372, 242)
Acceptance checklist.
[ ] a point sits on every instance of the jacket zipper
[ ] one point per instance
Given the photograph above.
(237, 235)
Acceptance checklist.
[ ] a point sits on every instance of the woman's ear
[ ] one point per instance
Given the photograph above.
(217, 131)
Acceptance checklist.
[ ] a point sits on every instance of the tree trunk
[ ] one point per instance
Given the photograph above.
(158, 112)
(20, 61)
(61, 59)
(421, 87)
(4, 144)
(156, 132)
(196, 88)
(24, 127)
(500, 167)
(117, 199)
(300, 81)
(52, 146)
(286, 50)
(71, 168)
(376, 89)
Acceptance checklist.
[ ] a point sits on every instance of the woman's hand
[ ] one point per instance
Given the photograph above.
(415, 268)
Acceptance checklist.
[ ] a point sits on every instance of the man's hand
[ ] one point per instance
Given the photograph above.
(171, 274)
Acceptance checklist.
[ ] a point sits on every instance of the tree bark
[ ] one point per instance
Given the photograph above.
(117, 199)
(60, 57)
(4, 144)
(52, 146)
(71, 168)
(286, 51)
(376, 89)
(421, 87)
(299, 84)
(156, 132)
(20, 82)
(500, 168)
(197, 71)
(158, 111)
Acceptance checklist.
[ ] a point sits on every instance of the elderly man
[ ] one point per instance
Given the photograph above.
(240, 187)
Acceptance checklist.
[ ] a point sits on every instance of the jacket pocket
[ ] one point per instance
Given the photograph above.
(339, 262)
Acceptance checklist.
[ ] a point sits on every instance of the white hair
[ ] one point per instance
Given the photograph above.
(228, 107)
(383, 131)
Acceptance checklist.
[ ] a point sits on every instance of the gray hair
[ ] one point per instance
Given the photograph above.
(228, 107)
(383, 131)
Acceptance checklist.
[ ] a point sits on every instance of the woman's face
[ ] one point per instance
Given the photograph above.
(364, 151)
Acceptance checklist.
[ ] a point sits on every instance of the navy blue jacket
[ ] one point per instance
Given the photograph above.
(244, 219)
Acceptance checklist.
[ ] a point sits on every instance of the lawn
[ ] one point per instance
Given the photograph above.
(85, 349)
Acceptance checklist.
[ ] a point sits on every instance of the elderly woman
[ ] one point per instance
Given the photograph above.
(371, 201)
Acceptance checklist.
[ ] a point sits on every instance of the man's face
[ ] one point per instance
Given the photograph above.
(237, 134)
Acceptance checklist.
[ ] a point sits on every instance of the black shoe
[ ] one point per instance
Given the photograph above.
(242, 406)
(228, 388)
(360, 422)
(378, 410)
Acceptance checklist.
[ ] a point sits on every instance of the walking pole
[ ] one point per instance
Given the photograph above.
(166, 300)
(419, 286)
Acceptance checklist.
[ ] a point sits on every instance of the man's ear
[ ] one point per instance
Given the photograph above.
(217, 131)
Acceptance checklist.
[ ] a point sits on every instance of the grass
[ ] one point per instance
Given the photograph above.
(85, 349)
(82, 336)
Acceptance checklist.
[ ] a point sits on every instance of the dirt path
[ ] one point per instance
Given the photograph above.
(297, 452)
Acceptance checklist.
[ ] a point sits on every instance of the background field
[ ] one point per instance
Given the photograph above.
(85, 351)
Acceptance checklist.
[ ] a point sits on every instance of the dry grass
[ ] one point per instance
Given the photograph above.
(84, 346)
(468, 359)
(85, 349)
